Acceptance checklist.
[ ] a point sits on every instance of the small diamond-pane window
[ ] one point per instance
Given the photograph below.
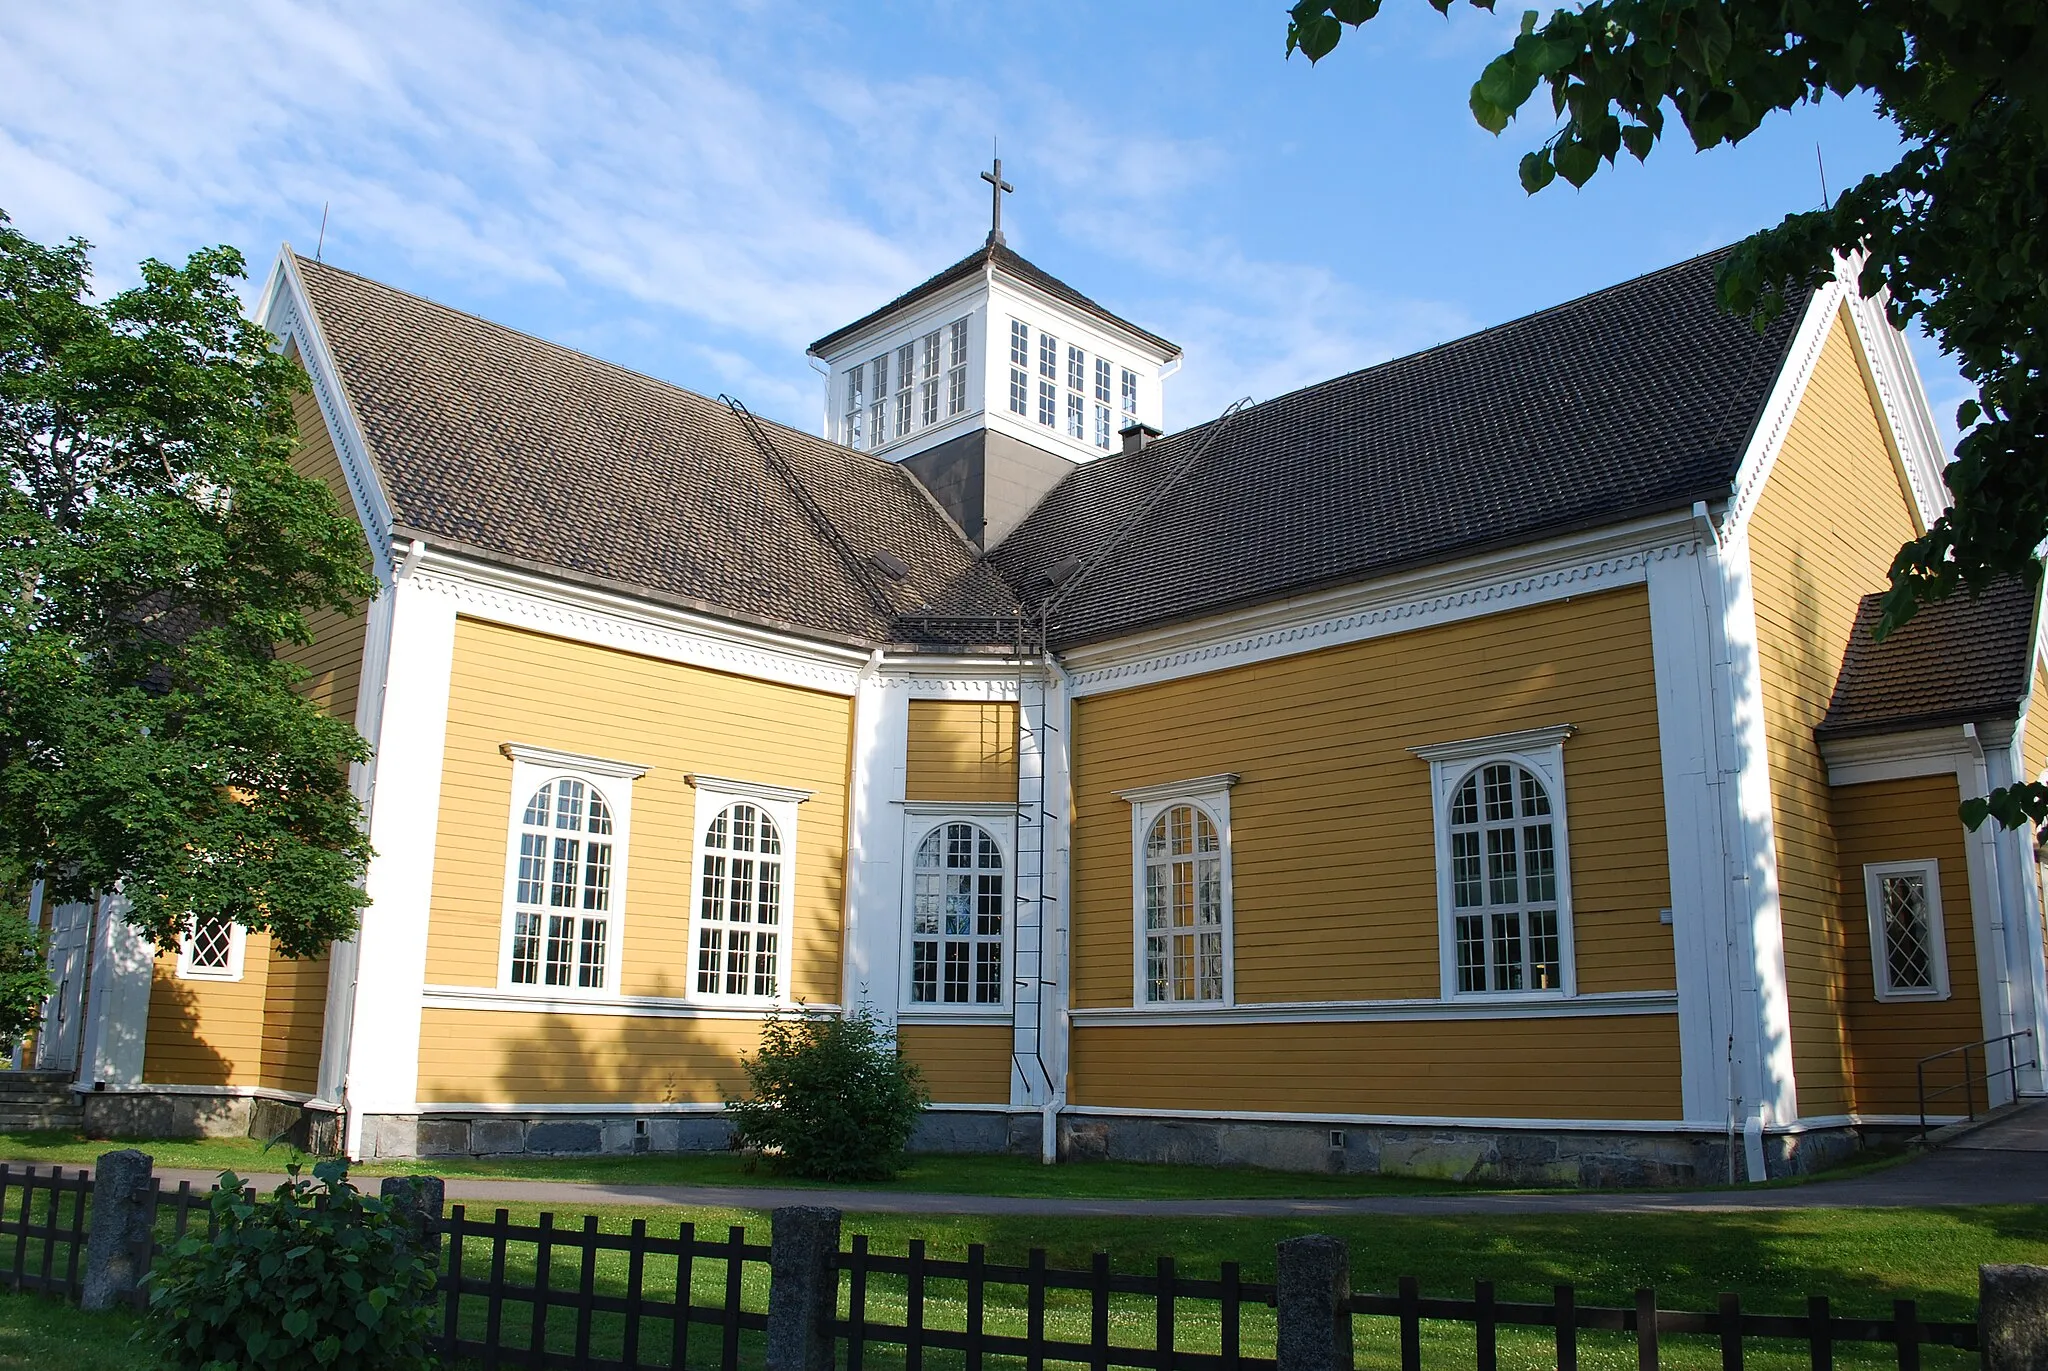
(211, 950)
(1905, 929)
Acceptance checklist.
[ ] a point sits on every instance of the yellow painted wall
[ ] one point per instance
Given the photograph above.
(1593, 1068)
(512, 686)
(1823, 534)
(961, 750)
(209, 1032)
(294, 1006)
(471, 1056)
(1334, 844)
(962, 1064)
(1889, 821)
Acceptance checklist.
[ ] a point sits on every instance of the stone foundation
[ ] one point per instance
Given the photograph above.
(151, 1114)
(1590, 1159)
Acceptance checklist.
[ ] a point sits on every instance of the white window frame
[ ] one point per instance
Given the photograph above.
(999, 821)
(1211, 796)
(1541, 752)
(532, 768)
(238, 944)
(714, 795)
(1929, 870)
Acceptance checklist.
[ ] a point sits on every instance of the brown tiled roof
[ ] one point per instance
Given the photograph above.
(1637, 399)
(1957, 660)
(995, 254)
(539, 454)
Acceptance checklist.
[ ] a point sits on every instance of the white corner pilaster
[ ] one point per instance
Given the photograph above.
(874, 857)
(1762, 1015)
(1997, 905)
(117, 1021)
(382, 1074)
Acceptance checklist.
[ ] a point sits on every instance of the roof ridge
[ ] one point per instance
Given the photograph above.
(710, 402)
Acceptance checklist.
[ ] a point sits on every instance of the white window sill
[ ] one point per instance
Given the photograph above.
(983, 1014)
(542, 1000)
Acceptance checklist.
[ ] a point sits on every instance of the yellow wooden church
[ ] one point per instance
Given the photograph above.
(1478, 764)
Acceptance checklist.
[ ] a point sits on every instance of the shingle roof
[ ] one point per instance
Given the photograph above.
(520, 448)
(1636, 399)
(1957, 660)
(999, 255)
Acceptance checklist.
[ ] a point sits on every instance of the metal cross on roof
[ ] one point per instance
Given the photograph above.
(997, 185)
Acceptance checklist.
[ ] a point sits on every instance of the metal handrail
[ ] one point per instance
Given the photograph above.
(1969, 1081)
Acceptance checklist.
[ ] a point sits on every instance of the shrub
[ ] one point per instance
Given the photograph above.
(833, 1098)
(318, 1275)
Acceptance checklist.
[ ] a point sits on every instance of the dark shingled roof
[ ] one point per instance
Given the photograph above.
(999, 255)
(1956, 661)
(539, 454)
(1633, 400)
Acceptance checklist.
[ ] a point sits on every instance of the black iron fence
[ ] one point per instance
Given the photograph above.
(578, 1295)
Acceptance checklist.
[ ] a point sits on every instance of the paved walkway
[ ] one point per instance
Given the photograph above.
(2004, 1162)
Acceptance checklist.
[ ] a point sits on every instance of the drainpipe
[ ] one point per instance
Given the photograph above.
(1049, 1113)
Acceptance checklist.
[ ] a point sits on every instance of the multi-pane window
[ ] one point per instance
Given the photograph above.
(856, 404)
(561, 902)
(1048, 356)
(1183, 907)
(739, 911)
(956, 368)
(906, 386)
(1048, 403)
(1908, 959)
(211, 950)
(1504, 881)
(1077, 369)
(1077, 418)
(1130, 397)
(878, 401)
(956, 921)
(1020, 367)
(1102, 427)
(928, 380)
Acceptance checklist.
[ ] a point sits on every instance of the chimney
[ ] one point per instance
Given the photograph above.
(1136, 437)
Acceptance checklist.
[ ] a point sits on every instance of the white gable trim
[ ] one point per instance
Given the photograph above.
(1767, 440)
(1906, 409)
(287, 311)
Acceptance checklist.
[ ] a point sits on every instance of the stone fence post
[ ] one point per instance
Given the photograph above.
(117, 1248)
(2012, 1318)
(1313, 1281)
(417, 1199)
(803, 1288)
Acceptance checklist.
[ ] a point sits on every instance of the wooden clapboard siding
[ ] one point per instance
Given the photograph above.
(1895, 821)
(1594, 1068)
(963, 1064)
(208, 1032)
(961, 750)
(1809, 573)
(1333, 843)
(2034, 745)
(494, 1056)
(508, 685)
(294, 1011)
(335, 656)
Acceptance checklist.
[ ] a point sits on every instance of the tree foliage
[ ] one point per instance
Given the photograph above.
(1955, 234)
(318, 1275)
(24, 978)
(157, 546)
(834, 1100)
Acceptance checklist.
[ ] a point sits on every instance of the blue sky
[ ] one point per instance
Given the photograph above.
(697, 191)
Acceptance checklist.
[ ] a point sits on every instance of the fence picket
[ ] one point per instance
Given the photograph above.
(1483, 1335)
(1646, 1329)
(586, 1289)
(1731, 1331)
(977, 1294)
(735, 1274)
(1230, 1317)
(1098, 1312)
(913, 1298)
(1906, 1333)
(636, 1273)
(494, 1308)
(55, 1194)
(1820, 1333)
(857, 1303)
(1162, 1338)
(1566, 1311)
(451, 1312)
(28, 1192)
(543, 1283)
(686, 1278)
(1034, 1311)
(1411, 1324)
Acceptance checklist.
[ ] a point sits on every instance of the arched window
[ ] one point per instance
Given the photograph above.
(1504, 881)
(956, 929)
(1183, 907)
(561, 916)
(739, 917)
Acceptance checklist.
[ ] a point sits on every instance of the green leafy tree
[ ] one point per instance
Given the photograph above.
(834, 1100)
(156, 547)
(318, 1275)
(1953, 233)
(24, 975)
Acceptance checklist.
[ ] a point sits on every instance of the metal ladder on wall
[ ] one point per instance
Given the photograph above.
(1035, 963)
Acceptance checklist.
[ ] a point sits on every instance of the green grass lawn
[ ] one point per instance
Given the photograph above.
(953, 1175)
(39, 1334)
